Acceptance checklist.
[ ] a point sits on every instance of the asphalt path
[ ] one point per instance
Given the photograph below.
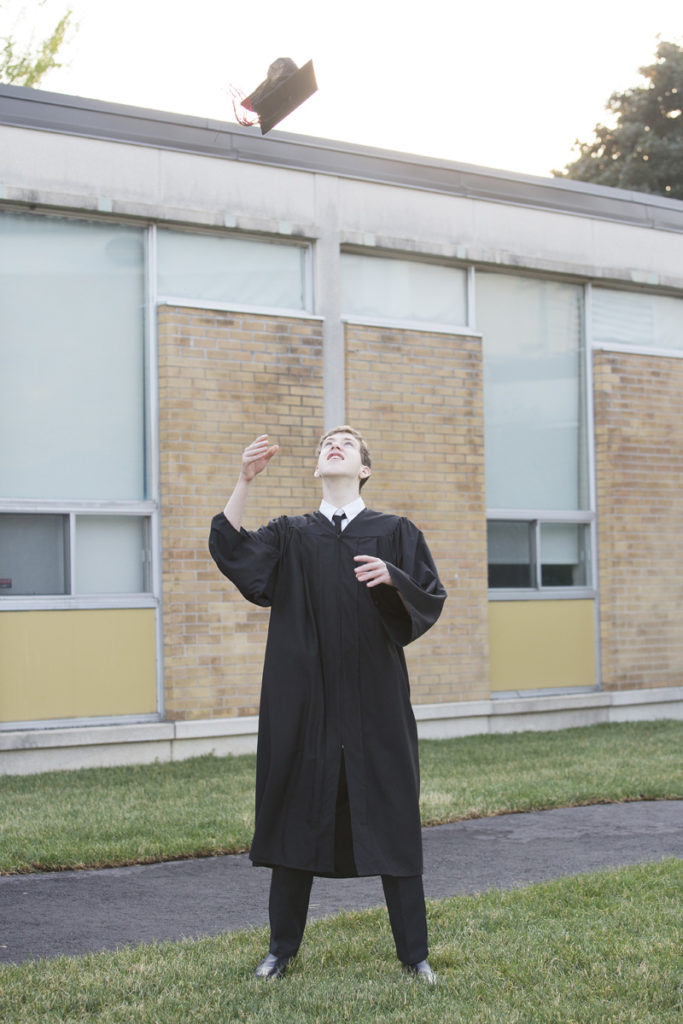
(75, 912)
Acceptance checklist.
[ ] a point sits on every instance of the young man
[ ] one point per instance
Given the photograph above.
(337, 780)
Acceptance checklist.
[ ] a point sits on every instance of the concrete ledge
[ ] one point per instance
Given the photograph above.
(27, 751)
(86, 735)
(551, 711)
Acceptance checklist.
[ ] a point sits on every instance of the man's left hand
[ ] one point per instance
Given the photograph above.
(372, 571)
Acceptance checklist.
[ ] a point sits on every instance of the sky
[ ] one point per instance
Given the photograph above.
(487, 82)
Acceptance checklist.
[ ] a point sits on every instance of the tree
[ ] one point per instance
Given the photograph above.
(26, 65)
(644, 150)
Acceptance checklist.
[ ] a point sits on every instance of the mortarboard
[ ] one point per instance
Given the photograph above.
(283, 90)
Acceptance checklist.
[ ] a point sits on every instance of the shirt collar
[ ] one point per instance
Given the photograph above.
(352, 509)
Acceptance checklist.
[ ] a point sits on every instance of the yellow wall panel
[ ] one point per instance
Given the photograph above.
(77, 664)
(541, 644)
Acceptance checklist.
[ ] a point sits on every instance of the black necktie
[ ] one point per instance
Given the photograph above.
(337, 519)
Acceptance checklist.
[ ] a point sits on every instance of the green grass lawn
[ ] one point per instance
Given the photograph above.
(111, 816)
(594, 949)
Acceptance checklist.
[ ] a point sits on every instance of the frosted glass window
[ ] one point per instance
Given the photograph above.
(533, 392)
(395, 289)
(230, 270)
(110, 555)
(72, 416)
(563, 555)
(32, 554)
(634, 318)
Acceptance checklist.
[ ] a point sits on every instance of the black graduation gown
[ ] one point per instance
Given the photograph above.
(335, 677)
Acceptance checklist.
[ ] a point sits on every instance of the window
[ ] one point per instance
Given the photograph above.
(42, 554)
(380, 288)
(511, 560)
(111, 555)
(72, 416)
(534, 555)
(535, 434)
(636, 319)
(563, 555)
(33, 555)
(220, 268)
(533, 392)
(74, 484)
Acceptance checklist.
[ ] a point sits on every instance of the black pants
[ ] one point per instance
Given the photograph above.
(290, 892)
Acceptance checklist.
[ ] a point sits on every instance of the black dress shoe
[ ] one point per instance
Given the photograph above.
(272, 966)
(422, 970)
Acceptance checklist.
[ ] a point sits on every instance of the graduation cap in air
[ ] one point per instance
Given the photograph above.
(284, 88)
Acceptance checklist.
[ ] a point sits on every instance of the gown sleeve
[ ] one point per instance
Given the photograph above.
(249, 559)
(415, 604)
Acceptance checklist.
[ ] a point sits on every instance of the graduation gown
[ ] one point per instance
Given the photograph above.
(335, 678)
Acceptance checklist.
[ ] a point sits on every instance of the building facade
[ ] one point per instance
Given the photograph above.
(511, 347)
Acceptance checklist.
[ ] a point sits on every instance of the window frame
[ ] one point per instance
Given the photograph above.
(585, 454)
(424, 326)
(596, 345)
(165, 298)
(535, 519)
(145, 510)
(148, 353)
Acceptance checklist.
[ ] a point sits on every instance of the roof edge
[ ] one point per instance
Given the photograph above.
(98, 119)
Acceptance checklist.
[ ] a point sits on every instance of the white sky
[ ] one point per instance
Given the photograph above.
(502, 84)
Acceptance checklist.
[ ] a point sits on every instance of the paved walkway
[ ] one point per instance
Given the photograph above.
(75, 912)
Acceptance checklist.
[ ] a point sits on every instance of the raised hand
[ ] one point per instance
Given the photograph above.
(256, 457)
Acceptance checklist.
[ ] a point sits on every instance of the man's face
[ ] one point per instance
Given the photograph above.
(340, 456)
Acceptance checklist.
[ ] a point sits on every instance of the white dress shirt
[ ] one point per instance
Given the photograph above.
(351, 510)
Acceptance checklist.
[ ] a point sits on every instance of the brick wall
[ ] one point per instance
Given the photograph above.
(223, 379)
(417, 398)
(639, 451)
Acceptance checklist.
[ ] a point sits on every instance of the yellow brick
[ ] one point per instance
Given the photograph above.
(225, 379)
(639, 459)
(411, 449)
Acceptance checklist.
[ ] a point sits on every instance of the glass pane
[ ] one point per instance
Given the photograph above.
(72, 414)
(510, 554)
(397, 289)
(564, 555)
(110, 555)
(535, 439)
(223, 269)
(32, 554)
(635, 318)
